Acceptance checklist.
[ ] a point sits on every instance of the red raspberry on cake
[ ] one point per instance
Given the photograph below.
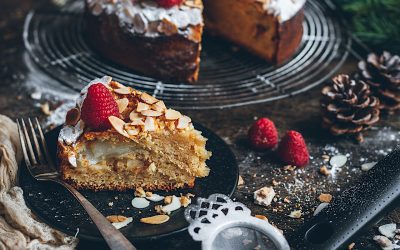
(98, 105)
(293, 149)
(263, 134)
(169, 3)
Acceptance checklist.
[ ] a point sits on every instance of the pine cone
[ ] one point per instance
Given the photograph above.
(383, 75)
(348, 106)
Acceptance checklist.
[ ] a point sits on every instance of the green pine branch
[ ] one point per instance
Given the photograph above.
(374, 21)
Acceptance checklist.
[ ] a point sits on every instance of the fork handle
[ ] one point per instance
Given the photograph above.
(114, 238)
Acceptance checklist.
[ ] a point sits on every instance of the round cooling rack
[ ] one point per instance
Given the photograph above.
(228, 77)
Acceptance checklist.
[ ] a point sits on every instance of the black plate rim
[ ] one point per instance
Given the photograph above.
(84, 236)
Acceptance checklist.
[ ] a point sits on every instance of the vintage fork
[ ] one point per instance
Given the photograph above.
(42, 168)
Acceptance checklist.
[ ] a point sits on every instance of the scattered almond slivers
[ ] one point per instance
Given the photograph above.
(174, 205)
(155, 220)
(116, 218)
(137, 122)
(171, 114)
(122, 104)
(148, 98)
(118, 125)
(183, 122)
(134, 116)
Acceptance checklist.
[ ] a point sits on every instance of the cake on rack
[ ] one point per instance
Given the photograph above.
(162, 38)
(118, 138)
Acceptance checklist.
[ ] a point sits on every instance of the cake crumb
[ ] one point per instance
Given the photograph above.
(324, 170)
(264, 196)
(326, 198)
(296, 214)
(351, 246)
(274, 182)
(139, 192)
(110, 204)
(240, 181)
(289, 168)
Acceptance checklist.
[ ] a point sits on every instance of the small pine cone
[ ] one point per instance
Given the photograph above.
(348, 107)
(383, 75)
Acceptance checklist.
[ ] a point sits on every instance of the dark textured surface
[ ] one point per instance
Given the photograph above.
(257, 168)
(57, 207)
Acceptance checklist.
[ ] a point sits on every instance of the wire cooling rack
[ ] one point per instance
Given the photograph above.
(56, 41)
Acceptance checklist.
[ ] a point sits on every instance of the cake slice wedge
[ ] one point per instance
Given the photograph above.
(142, 144)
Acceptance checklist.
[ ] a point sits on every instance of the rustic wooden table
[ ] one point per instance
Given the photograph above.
(257, 168)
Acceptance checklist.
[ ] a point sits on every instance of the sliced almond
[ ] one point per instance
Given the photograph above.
(116, 85)
(148, 98)
(171, 114)
(72, 117)
(155, 220)
(132, 131)
(159, 106)
(137, 122)
(123, 91)
(183, 122)
(151, 113)
(118, 125)
(152, 167)
(149, 194)
(116, 218)
(134, 116)
(122, 104)
(142, 107)
(158, 209)
(149, 124)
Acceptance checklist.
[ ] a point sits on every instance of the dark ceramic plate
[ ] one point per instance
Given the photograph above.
(54, 205)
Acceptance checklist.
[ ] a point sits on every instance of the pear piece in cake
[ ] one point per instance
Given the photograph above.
(127, 139)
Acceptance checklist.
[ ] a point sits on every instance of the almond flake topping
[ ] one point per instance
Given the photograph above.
(151, 113)
(149, 124)
(118, 125)
(123, 91)
(183, 122)
(142, 107)
(159, 106)
(157, 219)
(171, 114)
(148, 98)
(134, 116)
(122, 104)
(137, 122)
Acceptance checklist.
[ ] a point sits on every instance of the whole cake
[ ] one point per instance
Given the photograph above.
(162, 38)
(118, 138)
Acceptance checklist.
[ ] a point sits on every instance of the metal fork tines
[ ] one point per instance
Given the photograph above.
(35, 151)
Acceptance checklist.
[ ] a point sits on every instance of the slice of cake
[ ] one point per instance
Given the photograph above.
(161, 39)
(118, 138)
(270, 29)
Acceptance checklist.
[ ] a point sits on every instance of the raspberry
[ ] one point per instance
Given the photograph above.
(293, 150)
(169, 3)
(263, 134)
(98, 105)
